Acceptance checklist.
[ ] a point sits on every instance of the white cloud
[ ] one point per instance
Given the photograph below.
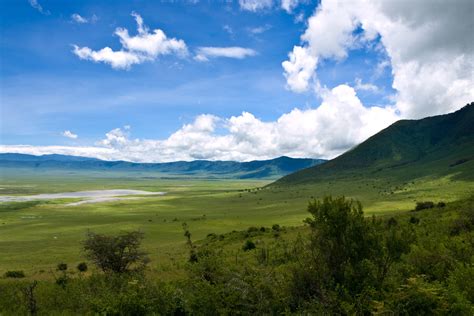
(137, 49)
(117, 59)
(79, 19)
(255, 5)
(299, 69)
(299, 17)
(69, 134)
(359, 85)
(289, 5)
(204, 53)
(259, 29)
(35, 4)
(116, 138)
(339, 123)
(430, 46)
(228, 29)
(150, 44)
(92, 151)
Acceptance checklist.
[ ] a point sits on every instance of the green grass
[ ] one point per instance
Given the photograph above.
(36, 236)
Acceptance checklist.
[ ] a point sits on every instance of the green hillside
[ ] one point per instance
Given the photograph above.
(436, 146)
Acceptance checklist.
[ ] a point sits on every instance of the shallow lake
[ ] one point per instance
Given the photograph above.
(95, 196)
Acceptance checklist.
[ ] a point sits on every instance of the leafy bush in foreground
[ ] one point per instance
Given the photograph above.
(349, 258)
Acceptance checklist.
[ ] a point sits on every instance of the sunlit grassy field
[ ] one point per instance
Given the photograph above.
(35, 236)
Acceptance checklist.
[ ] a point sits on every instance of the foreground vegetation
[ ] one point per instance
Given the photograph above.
(51, 231)
(339, 262)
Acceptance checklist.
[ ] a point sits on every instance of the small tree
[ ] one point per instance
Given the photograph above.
(29, 294)
(82, 267)
(424, 205)
(61, 266)
(349, 256)
(249, 245)
(117, 254)
(14, 274)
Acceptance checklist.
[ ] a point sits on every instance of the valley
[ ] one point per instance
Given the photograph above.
(51, 231)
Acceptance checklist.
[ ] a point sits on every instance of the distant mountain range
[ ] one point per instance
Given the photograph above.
(258, 169)
(435, 146)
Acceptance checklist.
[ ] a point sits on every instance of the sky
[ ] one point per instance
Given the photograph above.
(156, 81)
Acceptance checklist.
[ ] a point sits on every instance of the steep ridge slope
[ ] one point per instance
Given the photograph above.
(439, 145)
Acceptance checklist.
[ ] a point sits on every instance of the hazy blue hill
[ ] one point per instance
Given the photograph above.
(273, 168)
(438, 145)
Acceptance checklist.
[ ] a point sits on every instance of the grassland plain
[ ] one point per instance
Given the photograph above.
(35, 236)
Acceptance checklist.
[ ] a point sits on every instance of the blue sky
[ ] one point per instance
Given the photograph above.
(46, 89)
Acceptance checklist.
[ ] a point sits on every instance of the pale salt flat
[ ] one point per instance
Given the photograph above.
(95, 196)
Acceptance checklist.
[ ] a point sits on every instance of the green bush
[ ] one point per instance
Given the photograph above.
(424, 205)
(82, 267)
(248, 245)
(61, 266)
(276, 227)
(348, 259)
(16, 274)
(252, 229)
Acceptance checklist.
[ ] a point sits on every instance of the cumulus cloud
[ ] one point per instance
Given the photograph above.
(117, 59)
(429, 45)
(339, 123)
(204, 53)
(255, 5)
(116, 138)
(35, 4)
(144, 46)
(69, 134)
(299, 69)
(79, 19)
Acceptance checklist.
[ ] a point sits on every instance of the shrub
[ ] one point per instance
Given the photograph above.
(460, 225)
(414, 220)
(249, 245)
(419, 297)
(116, 254)
(82, 267)
(62, 281)
(61, 266)
(276, 227)
(441, 204)
(252, 229)
(16, 274)
(392, 222)
(349, 258)
(424, 205)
